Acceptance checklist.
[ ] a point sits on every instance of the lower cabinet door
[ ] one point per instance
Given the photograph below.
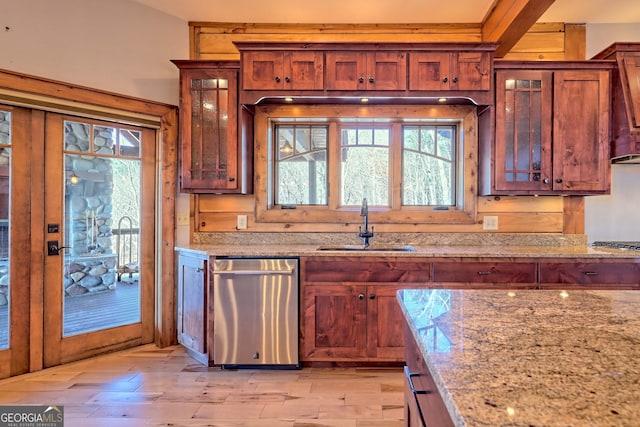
(385, 323)
(335, 324)
(193, 305)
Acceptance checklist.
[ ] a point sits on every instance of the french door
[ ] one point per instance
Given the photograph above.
(16, 220)
(80, 240)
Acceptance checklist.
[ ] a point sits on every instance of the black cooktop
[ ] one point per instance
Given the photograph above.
(634, 246)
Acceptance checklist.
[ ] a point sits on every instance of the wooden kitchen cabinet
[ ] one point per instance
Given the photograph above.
(552, 133)
(450, 71)
(355, 70)
(193, 305)
(352, 322)
(350, 310)
(520, 275)
(215, 142)
(335, 325)
(273, 71)
(282, 70)
(630, 74)
(588, 273)
(625, 145)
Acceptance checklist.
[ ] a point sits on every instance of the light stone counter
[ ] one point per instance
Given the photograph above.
(446, 251)
(531, 358)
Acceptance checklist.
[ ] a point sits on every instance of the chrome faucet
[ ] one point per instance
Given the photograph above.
(366, 234)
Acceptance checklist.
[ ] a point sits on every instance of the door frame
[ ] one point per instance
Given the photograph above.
(25, 215)
(42, 95)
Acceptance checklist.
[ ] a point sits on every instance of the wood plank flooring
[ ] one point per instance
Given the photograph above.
(148, 386)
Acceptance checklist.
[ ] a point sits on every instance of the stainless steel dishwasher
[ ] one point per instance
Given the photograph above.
(255, 313)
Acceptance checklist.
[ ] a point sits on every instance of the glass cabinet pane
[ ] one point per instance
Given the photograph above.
(523, 138)
(209, 123)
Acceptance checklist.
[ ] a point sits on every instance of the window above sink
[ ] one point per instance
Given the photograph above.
(415, 163)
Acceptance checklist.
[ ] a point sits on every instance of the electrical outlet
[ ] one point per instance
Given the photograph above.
(242, 222)
(490, 223)
(183, 219)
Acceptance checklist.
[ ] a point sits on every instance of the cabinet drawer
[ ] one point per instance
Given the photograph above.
(485, 272)
(590, 272)
(361, 269)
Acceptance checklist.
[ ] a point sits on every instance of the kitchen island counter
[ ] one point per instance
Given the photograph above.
(530, 358)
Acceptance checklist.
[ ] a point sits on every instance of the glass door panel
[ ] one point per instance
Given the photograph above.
(101, 273)
(5, 187)
(100, 189)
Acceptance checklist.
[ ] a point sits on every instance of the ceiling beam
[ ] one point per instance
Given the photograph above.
(509, 20)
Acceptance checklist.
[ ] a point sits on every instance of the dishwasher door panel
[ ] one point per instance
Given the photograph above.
(255, 312)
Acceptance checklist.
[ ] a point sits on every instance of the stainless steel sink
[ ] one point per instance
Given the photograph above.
(375, 248)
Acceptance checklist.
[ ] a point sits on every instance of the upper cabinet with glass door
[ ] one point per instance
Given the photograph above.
(215, 143)
(551, 130)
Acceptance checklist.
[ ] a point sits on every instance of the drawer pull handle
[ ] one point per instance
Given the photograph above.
(409, 376)
(484, 273)
(590, 273)
(415, 393)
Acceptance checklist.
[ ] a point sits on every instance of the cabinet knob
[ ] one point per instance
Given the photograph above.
(361, 296)
(446, 79)
(455, 80)
(372, 296)
(287, 79)
(231, 179)
(361, 80)
(371, 80)
(546, 180)
(203, 224)
(559, 180)
(277, 79)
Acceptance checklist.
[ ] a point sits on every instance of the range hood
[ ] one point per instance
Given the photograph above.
(625, 147)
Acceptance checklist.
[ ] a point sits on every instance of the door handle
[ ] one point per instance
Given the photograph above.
(53, 249)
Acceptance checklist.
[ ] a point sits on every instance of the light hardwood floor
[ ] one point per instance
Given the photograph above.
(148, 386)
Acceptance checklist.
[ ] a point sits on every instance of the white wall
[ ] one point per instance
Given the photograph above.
(600, 36)
(614, 217)
(114, 45)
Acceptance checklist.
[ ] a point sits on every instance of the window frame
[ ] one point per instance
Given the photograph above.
(465, 116)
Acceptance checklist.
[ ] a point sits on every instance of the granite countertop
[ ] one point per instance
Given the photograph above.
(447, 251)
(531, 358)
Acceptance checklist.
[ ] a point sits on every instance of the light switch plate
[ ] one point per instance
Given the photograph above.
(242, 222)
(490, 223)
(183, 219)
